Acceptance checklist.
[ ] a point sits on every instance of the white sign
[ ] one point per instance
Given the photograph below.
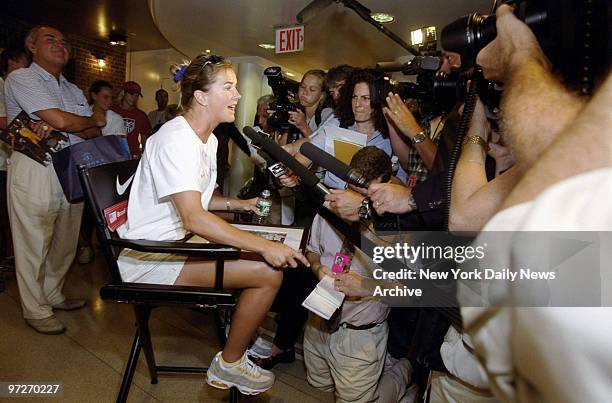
(290, 39)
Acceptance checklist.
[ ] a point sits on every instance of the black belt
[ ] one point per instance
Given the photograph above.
(361, 327)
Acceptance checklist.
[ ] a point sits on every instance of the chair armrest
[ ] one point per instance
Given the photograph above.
(208, 250)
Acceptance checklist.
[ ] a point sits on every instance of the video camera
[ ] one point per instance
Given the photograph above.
(283, 103)
(436, 91)
(572, 34)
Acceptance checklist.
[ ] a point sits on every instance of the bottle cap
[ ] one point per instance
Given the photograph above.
(265, 193)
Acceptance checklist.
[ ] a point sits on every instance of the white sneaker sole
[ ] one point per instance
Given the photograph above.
(216, 382)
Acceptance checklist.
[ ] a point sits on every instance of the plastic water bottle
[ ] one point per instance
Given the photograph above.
(395, 165)
(264, 205)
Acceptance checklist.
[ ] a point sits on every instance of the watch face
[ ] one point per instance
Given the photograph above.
(363, 211)
(419, 137)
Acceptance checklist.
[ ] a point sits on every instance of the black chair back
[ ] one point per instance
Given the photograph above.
(107, 189)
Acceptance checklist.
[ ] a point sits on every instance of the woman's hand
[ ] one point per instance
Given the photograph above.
(280, 256)
(246, 205)
(398, 113)
(289, 179)
(298, 119)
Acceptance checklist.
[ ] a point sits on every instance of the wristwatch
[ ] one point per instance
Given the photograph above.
(365, 209)
(419, 137)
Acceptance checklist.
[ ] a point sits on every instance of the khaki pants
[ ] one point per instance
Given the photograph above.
(348, 362)
(445, 388)
(45, 231)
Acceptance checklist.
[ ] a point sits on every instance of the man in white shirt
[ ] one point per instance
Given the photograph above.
(10, 60)
(44, 225)
(563, 147)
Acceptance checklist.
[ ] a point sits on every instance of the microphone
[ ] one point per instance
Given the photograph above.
(277, 153)
(276, 168)
(333, 165)
(312, 9)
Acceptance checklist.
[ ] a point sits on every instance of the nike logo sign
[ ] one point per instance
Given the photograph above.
(121, 188)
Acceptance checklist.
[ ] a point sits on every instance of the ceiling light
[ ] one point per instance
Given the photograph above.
(207, 50)
(266, 46)
(383, 18)
(116, 39)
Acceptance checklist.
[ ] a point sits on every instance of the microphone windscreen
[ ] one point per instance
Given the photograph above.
(279, 154)
(326, 160)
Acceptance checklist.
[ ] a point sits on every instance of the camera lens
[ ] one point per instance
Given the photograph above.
(468, 35)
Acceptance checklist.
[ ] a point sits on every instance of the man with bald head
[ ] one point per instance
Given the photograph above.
(45, 225)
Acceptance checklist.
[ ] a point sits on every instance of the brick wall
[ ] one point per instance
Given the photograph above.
(83, 66)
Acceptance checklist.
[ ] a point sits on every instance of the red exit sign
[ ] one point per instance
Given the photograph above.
(290, 39)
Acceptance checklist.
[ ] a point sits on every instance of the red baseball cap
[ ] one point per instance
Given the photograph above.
(132, 87)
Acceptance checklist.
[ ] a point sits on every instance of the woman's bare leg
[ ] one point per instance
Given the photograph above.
(259, 283)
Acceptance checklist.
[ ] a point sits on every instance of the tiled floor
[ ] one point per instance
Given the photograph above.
(90, 357)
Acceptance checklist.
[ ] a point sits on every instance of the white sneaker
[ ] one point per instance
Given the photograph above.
(260, 349)
(247, 377)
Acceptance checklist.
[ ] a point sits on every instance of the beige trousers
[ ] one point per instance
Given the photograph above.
(348, 362)
(45, 234)
(445, 388)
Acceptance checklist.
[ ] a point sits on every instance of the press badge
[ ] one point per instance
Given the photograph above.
(341, 263)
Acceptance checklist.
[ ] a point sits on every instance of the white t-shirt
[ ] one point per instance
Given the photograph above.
(175, 160)
(551, 354)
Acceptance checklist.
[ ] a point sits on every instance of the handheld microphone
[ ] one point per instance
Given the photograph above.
(277, 153)
(333, 165)
(276, 168)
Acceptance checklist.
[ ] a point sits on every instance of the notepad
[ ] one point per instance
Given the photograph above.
(324, 300)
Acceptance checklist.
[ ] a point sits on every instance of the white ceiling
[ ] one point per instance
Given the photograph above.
(336, 35)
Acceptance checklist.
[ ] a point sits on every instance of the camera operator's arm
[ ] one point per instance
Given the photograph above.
(401, 121)
(536, 108)
(585, 145)
(474, 200)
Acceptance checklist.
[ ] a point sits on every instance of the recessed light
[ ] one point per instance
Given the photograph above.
(117, 39)
(383, 18)
(207, 50)
(266, 46)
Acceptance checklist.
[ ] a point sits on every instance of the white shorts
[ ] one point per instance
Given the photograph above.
(151, 268)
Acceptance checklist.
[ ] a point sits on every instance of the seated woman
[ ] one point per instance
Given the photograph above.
(171, 196)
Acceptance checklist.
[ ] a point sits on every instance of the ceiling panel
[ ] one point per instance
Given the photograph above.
(336, 35)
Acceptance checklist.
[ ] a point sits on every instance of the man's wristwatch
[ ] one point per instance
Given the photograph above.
(365, 209)
(419, 137)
